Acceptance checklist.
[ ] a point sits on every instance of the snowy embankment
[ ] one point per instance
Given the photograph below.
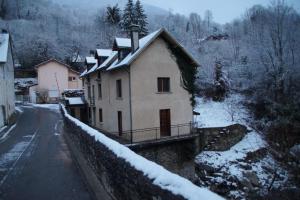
(220, 114)
(160, 176)
(246, 166)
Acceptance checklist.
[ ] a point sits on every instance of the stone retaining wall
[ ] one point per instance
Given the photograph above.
(221, 138)
(118, 177)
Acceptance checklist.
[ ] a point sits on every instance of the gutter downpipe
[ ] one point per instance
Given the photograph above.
(130, 103)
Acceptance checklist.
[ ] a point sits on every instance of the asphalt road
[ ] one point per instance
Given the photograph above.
(35, 162)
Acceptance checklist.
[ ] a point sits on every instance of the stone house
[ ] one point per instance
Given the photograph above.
(135, 90)
(7, 100)
(54, 77)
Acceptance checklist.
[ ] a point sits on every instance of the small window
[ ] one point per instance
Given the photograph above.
(90, 113)
(99, 76)
(163, 84)
(93, 91)
(99, 91)
(72, 78)
(89, 92)
(100, 115)
(119, 88)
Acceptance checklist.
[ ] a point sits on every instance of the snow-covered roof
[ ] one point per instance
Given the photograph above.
(123, 42)
(109, 60)
(83, 73)
(25, 82)
(145, 42)
(90, 60)
(4, 40)
(93, 68)
(75, 100)
(57, 61)
(104, 52)
(112, 63)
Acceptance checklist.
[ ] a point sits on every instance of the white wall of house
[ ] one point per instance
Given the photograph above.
(156, 61)
(54, 78)
(7, 97)
(109, 103)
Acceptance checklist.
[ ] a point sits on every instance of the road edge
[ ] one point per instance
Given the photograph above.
(93, 183)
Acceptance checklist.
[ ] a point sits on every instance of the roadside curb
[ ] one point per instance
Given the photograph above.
(11, 123)
(93, 183)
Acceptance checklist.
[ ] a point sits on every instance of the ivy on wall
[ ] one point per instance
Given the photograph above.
(188, 71)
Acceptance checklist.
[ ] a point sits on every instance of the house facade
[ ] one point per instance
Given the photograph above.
(135, 89)
(7, 101)
(53, 78)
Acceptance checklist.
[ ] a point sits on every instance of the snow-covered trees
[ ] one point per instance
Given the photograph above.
(113, 15)
(140, 18)
(134, 14)
(221, 84)
(272, 35)
(128, 16)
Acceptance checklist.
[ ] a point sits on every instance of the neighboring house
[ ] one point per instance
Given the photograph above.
(135, 89)
(75, 104)
(7, 100)
(53, 78)
(22, 86)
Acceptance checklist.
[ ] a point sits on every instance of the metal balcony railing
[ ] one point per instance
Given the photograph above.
(155, 133)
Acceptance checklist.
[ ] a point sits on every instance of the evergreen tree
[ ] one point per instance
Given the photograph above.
(128, 16)
(140, 18)
(113, 15)
(221, 83)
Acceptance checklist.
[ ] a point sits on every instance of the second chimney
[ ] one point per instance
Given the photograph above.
(134, 36)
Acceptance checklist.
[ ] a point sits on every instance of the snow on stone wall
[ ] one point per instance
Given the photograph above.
(139, 176)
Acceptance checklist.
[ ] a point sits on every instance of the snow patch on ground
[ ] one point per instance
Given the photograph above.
(13, 154)
(219, 114)
(250, 143)
(19, 109)
(160, 176)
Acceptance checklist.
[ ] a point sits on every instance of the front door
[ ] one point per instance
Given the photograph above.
(120, 122)
(165, 122)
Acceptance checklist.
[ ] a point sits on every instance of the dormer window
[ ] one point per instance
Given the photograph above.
(122, 53)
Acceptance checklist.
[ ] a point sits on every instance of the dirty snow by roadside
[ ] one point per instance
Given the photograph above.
(49, 106)
(19, 109)
(7, 133)
(160, 176)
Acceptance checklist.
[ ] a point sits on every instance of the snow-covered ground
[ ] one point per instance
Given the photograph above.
(248, 158)
(219, 114)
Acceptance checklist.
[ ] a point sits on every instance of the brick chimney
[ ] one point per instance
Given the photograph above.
(134, 36)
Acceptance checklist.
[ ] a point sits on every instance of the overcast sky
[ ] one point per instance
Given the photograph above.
(223, 10)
